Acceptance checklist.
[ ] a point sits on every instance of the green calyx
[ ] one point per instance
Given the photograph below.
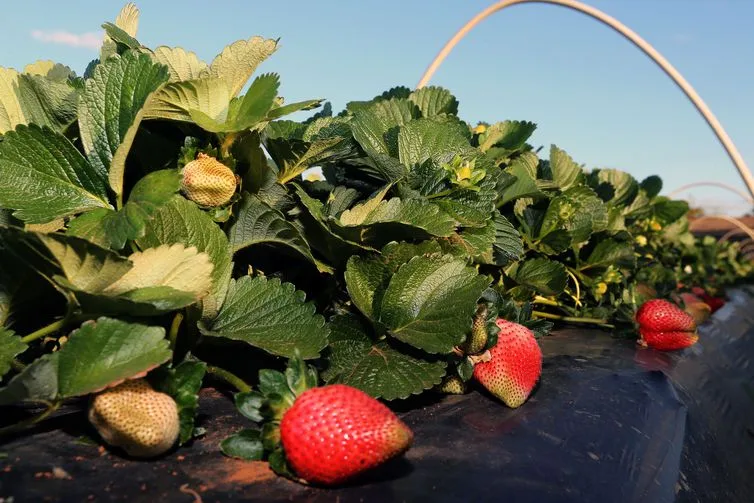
(276, 393)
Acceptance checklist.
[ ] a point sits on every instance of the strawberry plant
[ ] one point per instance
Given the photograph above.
(158, 223)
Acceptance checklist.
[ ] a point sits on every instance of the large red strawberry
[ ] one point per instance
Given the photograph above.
(319, 435)
(661, 315)
(667, 341)
(335, 432)
(514, 367)
(664, 326)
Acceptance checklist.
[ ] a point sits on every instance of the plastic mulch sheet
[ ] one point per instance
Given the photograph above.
(610, 422)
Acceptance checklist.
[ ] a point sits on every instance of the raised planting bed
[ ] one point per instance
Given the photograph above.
(613, 423)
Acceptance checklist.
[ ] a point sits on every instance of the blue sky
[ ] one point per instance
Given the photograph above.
(589, 91)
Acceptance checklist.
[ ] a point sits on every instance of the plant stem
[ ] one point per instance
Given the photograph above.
(174, 327)
(230, 378)
(545, 301)
(47, 330)
(573, 319)
(51, 408)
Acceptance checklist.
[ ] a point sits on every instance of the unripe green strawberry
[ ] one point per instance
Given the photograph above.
(452, 385)
(335, 432)
(208, 182)
(135, 417)
(477, 340)
(514, 367)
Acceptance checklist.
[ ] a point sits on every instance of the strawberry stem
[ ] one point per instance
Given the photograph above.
(230, 378)
(573, 319)
(42, 332)
(174, 327)
(545, 301)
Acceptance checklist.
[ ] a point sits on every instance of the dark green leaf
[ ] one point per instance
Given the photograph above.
(366, 280)
(423, 139)
(652, 185)
(246, 445)
(430, 301)
(508, 246)
(376, 126)
(611, 252)
(248, 404)
(270, 315)
(183, 383)
(565, 172)
(433, 101)
(545, 276)
(525, 184)
(45, 177)
(376, 369)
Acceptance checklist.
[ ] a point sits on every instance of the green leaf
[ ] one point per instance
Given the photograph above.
(249, 403)
(411, 214)
(55, 72)
(183, 383)
(668, 211)
(430, 301)
(257, 223)
(396, 254)
(376, 126)
(611, 252)
(545, 276)
(377, 369)
(433, 101)
(111, 110)
(112, 229)
(97, 355)
(246, 445)
(293, 157)
(625, 186)
(10, 346)
(476, 242)
(423, 139)
(281, 111)
(35, 99)
(107, 351)
(177, 100)
(121, 38)
(182, 64)
(507, 135)
(579, 211)
(45, 177)
(366, 281)
(508, 246)
(652, 185)
(524, 168)
(565, 172)
(237, 62)
(272, 316)
(181, 221)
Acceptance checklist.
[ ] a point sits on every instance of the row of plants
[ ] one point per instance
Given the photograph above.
(157, 225)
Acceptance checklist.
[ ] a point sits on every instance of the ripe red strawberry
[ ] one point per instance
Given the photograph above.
(667, 341)
(714, 303)
(335, 432)
(660, 315)
(514, 367)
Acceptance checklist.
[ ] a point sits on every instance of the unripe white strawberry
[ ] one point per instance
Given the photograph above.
(208, 182)
(135, 417)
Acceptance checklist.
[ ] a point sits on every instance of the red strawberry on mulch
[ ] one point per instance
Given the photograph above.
(317, 435)
(713, 302)
(664, 326)
(514, 366)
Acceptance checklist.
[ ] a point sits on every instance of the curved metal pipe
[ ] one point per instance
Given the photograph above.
(633, 37)
(721, 185)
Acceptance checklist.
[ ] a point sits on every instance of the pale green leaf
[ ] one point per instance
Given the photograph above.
(375, 368)
(293, 157)
(272, 316)
(182, 64)
(181, 221)
(173, 266)
(524, 168)
(11, 113)
(430, 301)
(507, 135)
(111, 110)
(128, 19)
(45, 177)
(409, 215)
(47, 68)
(178, 100)
(237, 62)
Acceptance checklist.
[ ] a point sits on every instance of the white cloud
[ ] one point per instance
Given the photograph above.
(90, 40)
